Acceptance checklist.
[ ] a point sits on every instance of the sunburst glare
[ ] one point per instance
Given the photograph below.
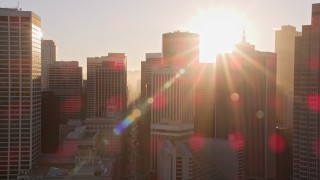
(219, 30)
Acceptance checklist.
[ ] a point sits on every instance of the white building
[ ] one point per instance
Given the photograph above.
(172, 109)
(20, 91)
(48, 57)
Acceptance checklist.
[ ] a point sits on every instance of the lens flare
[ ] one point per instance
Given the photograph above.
(236, 141)
(150, 100)
(196, 142)
(313, 102)
(259, 114)
(276, 143)
(235, 97)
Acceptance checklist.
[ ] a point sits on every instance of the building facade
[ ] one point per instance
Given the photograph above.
(107, 85)
(204, 123)
(306, 100)
(65, 81)
(20, 91)
(180, 48)
(245, 105)
(92, 63)
(48, 57)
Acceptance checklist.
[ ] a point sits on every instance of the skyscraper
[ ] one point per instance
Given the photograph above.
(65, 81)
(172, 102)
(306, 100)
(107, 85)
(20, 91)
(180, 48)
(92, 63)
(153, 60)
(245, 106)
(172, 110)
(48, 57)
(204, 99)
(284, 47)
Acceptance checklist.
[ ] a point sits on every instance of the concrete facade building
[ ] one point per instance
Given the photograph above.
(172, 111)
(306, 100)
(48, 57)
(20, 91)
(245, 105)
(65, 81)
(284, 47)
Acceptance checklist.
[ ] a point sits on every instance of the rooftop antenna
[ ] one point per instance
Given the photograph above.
(18, 6)
(243, 36)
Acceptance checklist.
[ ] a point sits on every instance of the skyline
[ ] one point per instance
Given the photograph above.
(135, 28)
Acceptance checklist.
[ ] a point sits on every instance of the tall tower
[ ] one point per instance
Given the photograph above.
(172, 90)
(180, 48)
(92, 63)
(284, 47)
(306, 100)
(172, 110)
(65, 81)
(153, 60)
(48, 57)
(20, 91)
(110, 86)
(204, 99)
(245, 105)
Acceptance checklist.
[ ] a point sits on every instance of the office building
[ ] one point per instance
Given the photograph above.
(92, 63)
(65, 81)
(284, 47)
(172, 109)
(20, 91)
(180, 48)
(153, 60)
(204, 99)
(107, 86)
(48, 57)
(306, 100)
(172, 90)
(50, 119)
(245, 105)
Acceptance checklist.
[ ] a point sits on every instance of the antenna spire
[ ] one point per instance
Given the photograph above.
(244, 36)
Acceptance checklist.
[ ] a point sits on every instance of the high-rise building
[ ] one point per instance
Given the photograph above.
(172, 109)
(107, 85)
(48, 57)
(65, 81)
(180, 48)
(153, 60)
(284, 47)
(92, 63)
(245, 106)
(20, 91)
(110, 86)
(204, 99)
(172, 95)
(306, 100)
(50, 119)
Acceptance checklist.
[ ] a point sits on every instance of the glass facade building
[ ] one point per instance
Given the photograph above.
(20, 91)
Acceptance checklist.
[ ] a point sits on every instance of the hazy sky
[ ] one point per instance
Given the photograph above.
(84, 28)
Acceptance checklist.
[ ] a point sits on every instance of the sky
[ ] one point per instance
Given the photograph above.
(83, 28)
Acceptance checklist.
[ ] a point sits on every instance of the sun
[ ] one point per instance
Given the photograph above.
(219, 29)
